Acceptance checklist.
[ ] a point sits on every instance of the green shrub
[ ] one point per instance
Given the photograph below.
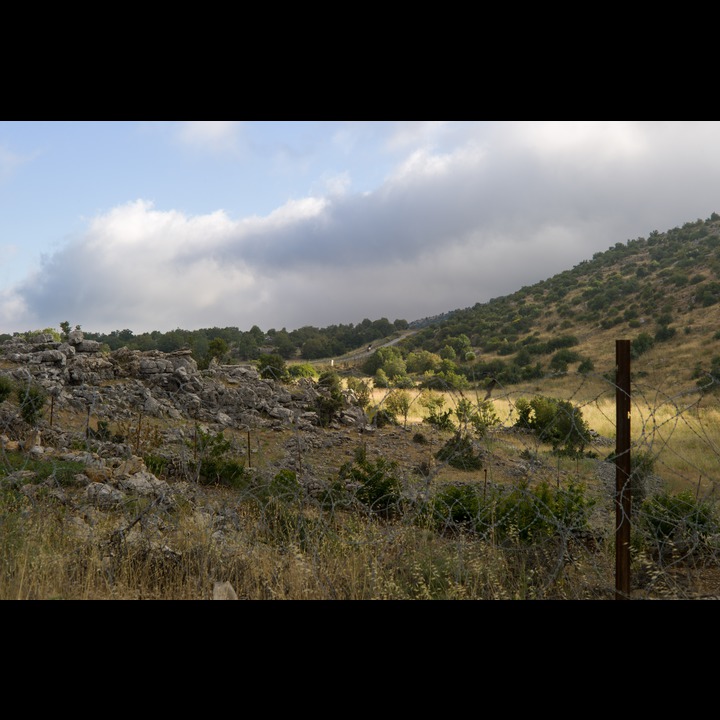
(213, 463)
(556, 422)
(330, 399)
(6, 388)
(382, 417)
(440, 420)
(511, 515)
(301, 370)
(285, 485)
(641, 344)
(678, 521)
(459, 453)
(272, 366)
(375, 484)
(31, 400)
(362, 390)
(529, 515)
(456, 507)
(398, 402)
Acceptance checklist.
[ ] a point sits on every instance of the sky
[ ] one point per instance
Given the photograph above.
(165, 225)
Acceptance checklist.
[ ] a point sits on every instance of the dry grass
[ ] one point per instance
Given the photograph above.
(268, 550)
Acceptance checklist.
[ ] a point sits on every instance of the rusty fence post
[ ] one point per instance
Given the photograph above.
(623, 497)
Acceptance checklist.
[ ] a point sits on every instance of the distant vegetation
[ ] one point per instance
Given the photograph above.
(467, 495)
(646, 289)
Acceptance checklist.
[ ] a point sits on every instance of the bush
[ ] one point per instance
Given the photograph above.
(458, 506)
(510, 515)
(459, 453)
(214, 464)
(31, 400)
(6, 388)
(272, 366)
(529, 515)
(375, 484)
(641, 344)
(330, 399)
(437, 417)
(362, 391)
(557, 422)
(678, 522)
(301, 370)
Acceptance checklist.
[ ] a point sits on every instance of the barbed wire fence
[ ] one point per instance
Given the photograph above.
(494, 492)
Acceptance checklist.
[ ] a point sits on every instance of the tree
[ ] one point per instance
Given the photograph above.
(557, 422)
(272, 366)
(217, 348)
(398, 402)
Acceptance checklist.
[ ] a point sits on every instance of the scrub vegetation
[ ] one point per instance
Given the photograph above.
(486, 470)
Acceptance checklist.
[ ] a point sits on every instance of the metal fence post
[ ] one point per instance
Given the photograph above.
(623, 497)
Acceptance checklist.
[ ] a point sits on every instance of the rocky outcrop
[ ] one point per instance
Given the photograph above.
(127, 385)
(78, 375)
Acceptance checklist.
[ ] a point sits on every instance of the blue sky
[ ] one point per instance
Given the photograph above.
(158, 225)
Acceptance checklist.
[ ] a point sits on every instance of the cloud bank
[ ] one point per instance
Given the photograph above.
(471, 211)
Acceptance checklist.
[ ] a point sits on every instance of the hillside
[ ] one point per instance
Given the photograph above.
(663, 290)
(399, 470)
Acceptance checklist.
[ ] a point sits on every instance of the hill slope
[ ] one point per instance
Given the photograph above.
(662, 292)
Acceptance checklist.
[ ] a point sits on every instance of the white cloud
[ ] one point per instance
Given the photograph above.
(477, 213)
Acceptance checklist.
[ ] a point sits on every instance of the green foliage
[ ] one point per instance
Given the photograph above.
(58, 471)
(389, 359)
(398, 402)
(456, 506)
(678, 522)
(217, 348)
(458, 452)
(641, 344)
(361, 389)
(557, 422)
(286, 486)
(421, 361)
(480, 416)
(301, 370)
(403, 382)
(446, 380)
(376, 484)
(221, 471)
(448, 353)
(330, 398)
(664, 332)
(530, 514)
(381, 417)
(560, 360)
(642, 465)
(31, 399)
(272, 366)
(518, 514)
(214, 463)
(6, 388)
(484, 417)
(437, 417)
(708, 380)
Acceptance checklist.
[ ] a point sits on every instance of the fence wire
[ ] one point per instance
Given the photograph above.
(134, 474)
